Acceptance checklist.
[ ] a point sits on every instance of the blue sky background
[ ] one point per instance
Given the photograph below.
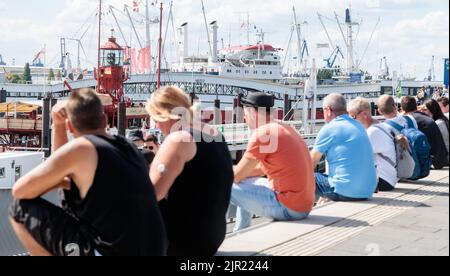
(410, 32)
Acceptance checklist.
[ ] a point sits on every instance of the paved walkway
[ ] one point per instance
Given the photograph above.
(423, 231)
(412, 220)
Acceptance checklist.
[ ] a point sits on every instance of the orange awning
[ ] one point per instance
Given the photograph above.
(18, 107)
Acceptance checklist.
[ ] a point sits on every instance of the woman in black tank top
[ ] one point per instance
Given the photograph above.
(193, 175)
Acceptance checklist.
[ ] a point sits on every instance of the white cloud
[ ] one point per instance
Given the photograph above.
(409, 28)
(413, 42)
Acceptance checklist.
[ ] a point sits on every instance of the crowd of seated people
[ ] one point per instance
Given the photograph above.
(140, 197)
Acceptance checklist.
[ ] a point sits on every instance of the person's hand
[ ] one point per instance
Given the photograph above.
(59, 114)
(322, 201)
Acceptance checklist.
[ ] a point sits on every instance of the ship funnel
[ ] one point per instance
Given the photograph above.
(214, 28)
(184, 40)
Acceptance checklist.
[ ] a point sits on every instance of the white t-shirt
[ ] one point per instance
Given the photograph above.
(383, 144)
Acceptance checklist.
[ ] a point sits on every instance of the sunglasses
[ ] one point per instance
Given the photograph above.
(356, 116)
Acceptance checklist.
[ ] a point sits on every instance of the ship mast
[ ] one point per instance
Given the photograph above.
(147, 32)
(207, 30)
(160, 46)
(99, 41)
(299, 41)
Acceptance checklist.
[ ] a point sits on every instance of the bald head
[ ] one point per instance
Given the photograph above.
(387, 106)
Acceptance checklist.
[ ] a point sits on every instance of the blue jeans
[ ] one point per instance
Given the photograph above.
(323, 189)
(254, 196)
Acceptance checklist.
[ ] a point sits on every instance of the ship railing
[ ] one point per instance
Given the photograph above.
(26, 149)
(240, 133)
(21, 124)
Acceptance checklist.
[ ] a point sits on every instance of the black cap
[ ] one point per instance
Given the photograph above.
(136, 135)
(258, 99)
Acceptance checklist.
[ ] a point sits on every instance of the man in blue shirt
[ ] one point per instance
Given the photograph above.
(344, 142)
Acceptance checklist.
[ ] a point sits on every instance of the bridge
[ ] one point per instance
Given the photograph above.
(139, 87)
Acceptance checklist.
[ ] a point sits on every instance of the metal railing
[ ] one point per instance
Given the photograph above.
(26, 149)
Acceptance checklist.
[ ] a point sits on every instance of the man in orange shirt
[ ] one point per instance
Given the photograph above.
(277, 151)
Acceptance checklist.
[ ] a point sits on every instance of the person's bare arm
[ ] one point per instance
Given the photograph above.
(315, 158)
(46, 177)
(170, 161)
(246, 168)
(258, 171)
(76, 160)
(59, 130)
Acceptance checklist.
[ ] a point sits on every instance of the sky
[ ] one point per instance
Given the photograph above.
(409, 34)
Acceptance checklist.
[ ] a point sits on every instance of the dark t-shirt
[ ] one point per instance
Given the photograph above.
(197, 203)
(429, 127)
(120, 213)
(148, 156)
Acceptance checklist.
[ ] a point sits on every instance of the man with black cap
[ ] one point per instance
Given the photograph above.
(277, 151)
(136, 136)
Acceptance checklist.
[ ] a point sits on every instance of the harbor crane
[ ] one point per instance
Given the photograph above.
(334, 55)
(37, 61)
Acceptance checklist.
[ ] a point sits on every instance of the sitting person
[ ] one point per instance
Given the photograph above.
(389, 110)
(277, 151)
(428, 126)
(152, 144)
(111, 205)
(344, 142)
(136, 136)
(382, 143)
(192, 174)
(433, 110)
(443, 103)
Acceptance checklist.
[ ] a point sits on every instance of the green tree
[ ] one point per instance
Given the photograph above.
(27, 73)
(58, 75)
(325, 74)
(51, 75)
(14, 78)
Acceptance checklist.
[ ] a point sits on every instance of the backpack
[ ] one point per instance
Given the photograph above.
(420, 148)
(405, 162)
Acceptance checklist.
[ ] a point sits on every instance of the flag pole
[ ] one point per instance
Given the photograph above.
(99, 43)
